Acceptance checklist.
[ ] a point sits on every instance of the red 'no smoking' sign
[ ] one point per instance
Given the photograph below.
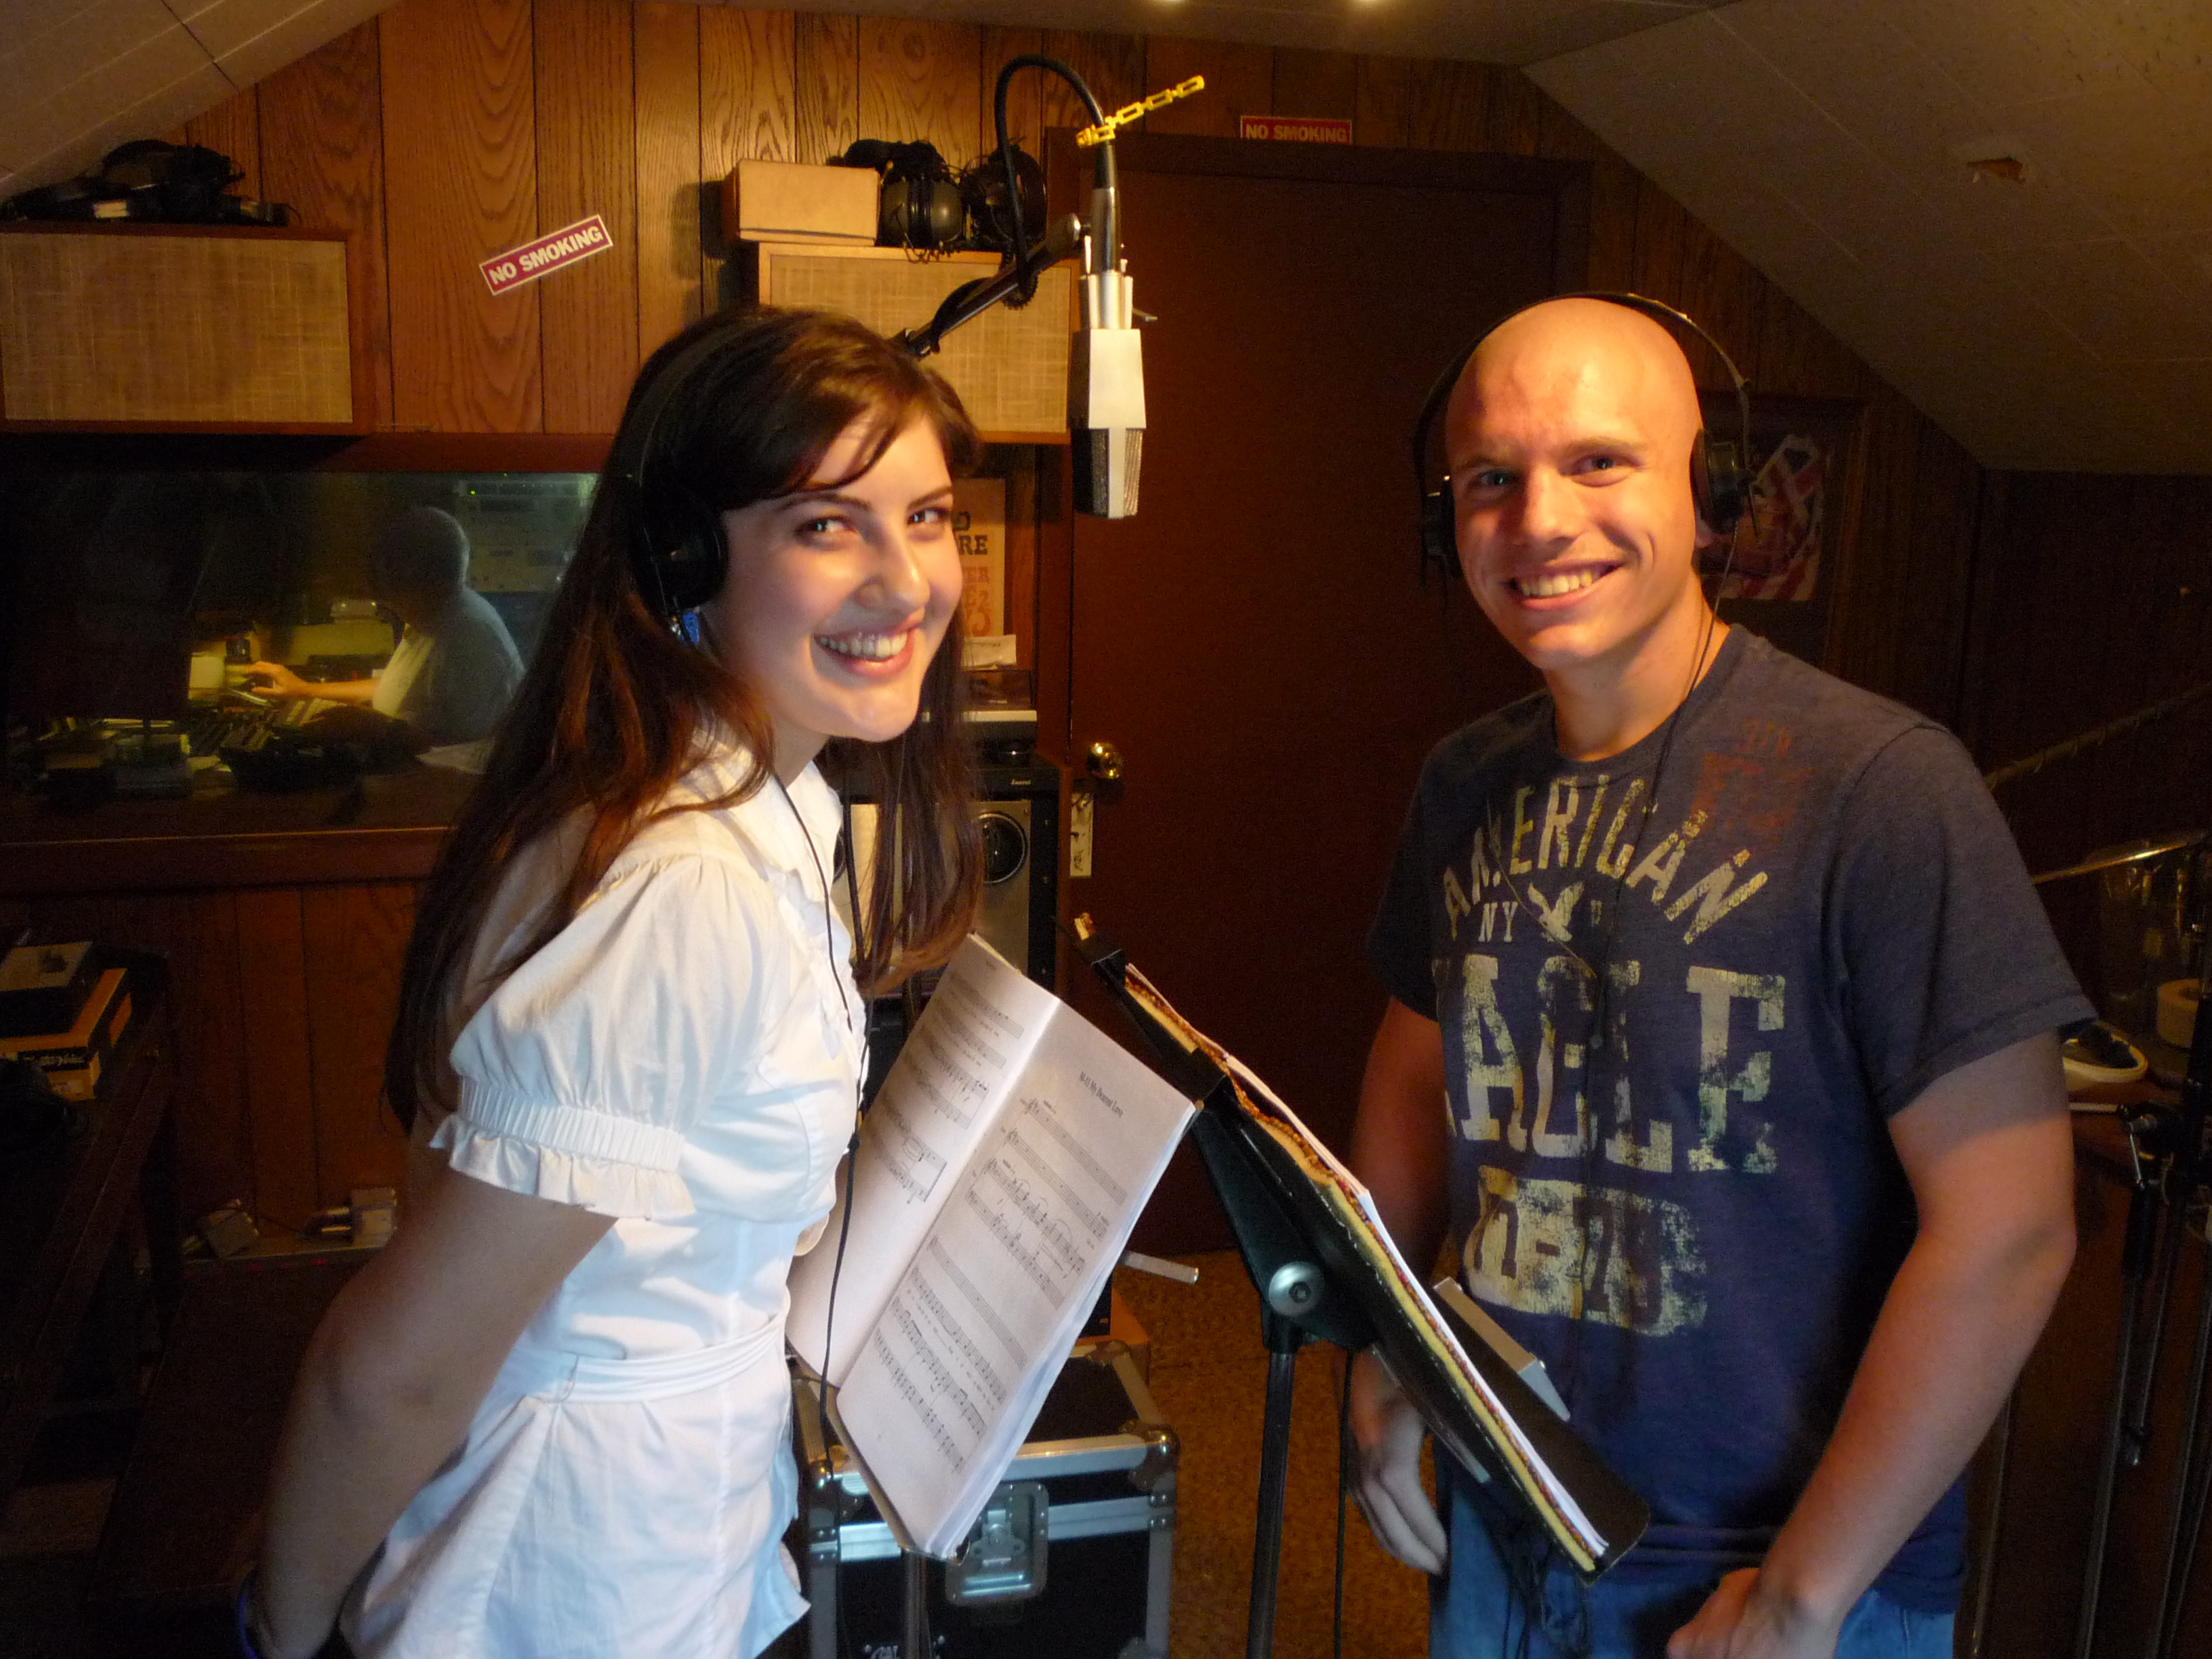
(547, 254)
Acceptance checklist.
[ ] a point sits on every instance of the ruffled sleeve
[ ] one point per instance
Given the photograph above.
(584, 1071)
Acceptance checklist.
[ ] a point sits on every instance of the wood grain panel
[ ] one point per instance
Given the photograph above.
(322, 154)
(233, 128)
(1612, 195)
(1514, 122)
(666, 47)
(460, 159)
(826, 108)
(1719, 288)
(1240, 80)
(748, 93)
(280, 1087)
(1659, 231)
(1796, 354)
(1018, 465)
(586, 164)
(1315, 83)
(1024, 93)
(922, 80)
(197, 933)
(1406, 102)
(1112, 65)
(354, 939)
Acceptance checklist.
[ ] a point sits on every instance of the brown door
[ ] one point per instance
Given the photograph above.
(1257, 642)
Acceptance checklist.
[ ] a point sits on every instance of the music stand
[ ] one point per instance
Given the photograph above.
(1298, 1296)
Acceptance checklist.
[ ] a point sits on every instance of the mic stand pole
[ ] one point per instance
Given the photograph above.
(1298, 1299)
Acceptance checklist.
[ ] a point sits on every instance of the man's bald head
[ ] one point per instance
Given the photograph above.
(1592, 353)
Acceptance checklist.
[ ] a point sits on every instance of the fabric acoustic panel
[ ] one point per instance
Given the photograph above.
(1009, 367)
(175, 327)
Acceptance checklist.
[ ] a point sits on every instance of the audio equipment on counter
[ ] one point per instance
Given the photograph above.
(920, 205)
(1721, 473)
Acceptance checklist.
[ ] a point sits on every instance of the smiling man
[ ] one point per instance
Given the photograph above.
(1720, 1046)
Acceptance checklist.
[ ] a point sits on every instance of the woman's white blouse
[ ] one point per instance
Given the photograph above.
(685, 1056)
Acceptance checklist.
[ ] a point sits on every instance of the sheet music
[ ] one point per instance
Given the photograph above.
(958, 1363)
(934, 1108)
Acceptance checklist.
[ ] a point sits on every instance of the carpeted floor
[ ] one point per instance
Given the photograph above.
(1209, 1376)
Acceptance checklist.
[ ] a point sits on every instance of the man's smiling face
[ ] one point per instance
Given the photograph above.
(1569, 439)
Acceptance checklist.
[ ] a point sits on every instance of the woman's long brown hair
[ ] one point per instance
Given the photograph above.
(615, 708)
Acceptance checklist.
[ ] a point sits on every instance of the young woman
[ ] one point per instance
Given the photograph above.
(551, 1417)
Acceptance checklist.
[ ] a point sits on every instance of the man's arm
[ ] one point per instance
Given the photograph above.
(274, 680)
(1399, 1148)
(1989, 1151)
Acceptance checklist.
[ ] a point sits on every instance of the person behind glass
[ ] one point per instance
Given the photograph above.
(552, 1415)
(455, 667)
(1721, 1045)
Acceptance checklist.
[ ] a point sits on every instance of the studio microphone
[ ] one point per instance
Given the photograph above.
(1106, 368)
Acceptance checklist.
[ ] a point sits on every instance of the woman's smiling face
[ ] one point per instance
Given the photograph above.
(839, 595)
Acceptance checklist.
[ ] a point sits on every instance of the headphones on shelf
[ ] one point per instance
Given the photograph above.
(677, 552)
(1721, 475)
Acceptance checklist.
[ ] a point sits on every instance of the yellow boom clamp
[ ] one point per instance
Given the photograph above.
(1137, 112)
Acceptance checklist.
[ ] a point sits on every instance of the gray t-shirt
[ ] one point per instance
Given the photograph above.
(1692, 1218)
(453, 676)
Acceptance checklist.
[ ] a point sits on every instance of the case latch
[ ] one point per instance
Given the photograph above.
(1004, 1559)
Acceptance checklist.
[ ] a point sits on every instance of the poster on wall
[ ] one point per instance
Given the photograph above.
(979, 524)
(1782, 569)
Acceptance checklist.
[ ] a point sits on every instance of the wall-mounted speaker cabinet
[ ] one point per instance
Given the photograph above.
(1010, 367)
(178, 328)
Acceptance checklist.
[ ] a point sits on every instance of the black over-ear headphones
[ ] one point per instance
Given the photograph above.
(1720, 472)
(676, 550)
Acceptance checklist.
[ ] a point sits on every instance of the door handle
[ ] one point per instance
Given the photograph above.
(1102, 760)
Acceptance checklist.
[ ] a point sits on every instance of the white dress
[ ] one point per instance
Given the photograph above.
(683, 1056)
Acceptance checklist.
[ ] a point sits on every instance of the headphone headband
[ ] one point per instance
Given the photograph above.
(677, 555)
(1719, 475)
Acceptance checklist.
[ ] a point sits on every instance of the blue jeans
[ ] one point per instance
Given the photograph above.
(1627, 1614)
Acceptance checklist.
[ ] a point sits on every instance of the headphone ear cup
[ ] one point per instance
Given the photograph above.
(1718, 484)
(1439, 536)
(696, 558)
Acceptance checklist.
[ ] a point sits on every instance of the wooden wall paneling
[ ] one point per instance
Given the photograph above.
(586, 121)
(748, 93)
(1863, 638)
(1947, 499)
(1018, 465)
(1514, 122)
(233, 128)
(1025, 93)
(213, 1009)
(460, 159)
(922, 80)
(1417, 105)
(1797, 356)
(1612, 195)
(280, 1087)
(1111, 65)
(666, 72)
(1240, 80)
(1660, 222)
(826, 72)
(1324, 83)
(354, 938)
(322, 154)
(1720, 288)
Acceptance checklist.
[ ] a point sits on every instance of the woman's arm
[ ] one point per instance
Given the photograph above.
(395, 1371)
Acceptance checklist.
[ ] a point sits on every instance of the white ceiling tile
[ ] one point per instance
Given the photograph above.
(2116, 302)
(225, 26)
(155, 112)
(2017, 52)
(2185, 262)
(2169, 42)
(295, 38)
(2146, 160)
(97, 34)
